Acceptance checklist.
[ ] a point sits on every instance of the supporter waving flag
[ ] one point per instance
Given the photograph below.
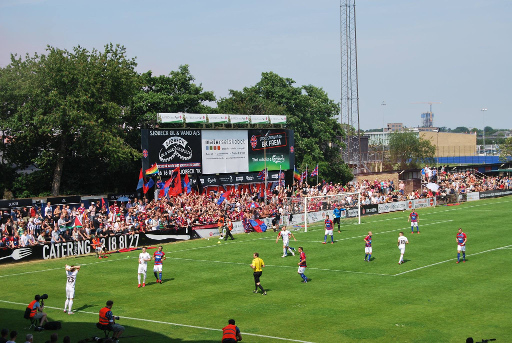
(262, 175)
(296, 174)
(315, 171)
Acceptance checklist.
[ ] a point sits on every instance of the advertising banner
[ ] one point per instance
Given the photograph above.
(259, 119)
(274, 145)
(195, 118)
(277, 119)
(75, 199)
(170, 149)
(422, 203)
(392, 206)
(495, 193)
(112, 243)
(218, 118)
(224, 151)
(369, 209)
(473, 196)
(6, 204)
(170, 117)
(239, 119)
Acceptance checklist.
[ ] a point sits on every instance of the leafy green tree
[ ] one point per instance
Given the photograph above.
(460, 129)
(310, 113)
(506, 150)
(167, 94)
(66, 110)
(410, 151)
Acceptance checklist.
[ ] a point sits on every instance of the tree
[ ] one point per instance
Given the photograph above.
(460, 129)
(310, 114)
(409, 150)
(68, 108)
(506, 150)
(168, 94)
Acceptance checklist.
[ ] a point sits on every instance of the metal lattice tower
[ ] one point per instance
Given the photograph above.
(349, 116)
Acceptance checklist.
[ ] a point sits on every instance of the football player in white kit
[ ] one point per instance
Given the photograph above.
(402, 241)
(144, 257)
(285, 235)
(71, 273)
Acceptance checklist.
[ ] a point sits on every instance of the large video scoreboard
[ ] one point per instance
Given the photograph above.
(217, 151)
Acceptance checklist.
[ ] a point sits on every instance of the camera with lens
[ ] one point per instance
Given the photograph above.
(116, 318)
(42, 298)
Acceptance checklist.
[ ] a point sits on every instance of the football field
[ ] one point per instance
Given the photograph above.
(429, 298)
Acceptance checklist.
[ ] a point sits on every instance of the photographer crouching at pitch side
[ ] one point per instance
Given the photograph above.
(35, 309)
(107, 319)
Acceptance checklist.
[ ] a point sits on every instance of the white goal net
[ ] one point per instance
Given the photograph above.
(308, 210)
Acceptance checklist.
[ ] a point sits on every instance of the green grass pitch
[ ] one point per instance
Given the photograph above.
(429, 298)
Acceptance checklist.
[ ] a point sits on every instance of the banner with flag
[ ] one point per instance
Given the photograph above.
(186, 184)
(175, 188)
(78, 222)
(223, 197)
(296, 174)
(152, 170)
(148, 185)
(262, 175)
(304, 175)
(315, 171)
(141, 180)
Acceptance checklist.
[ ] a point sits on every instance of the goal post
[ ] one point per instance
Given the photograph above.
(316, 207)
(302, 211)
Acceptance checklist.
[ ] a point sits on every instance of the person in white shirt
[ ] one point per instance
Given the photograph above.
(285, 235)
(402, 241)
(71, 273)
(144, 257)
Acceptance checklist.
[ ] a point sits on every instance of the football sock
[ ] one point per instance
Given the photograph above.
(138, 278)
(70, 305)
(365, 256)
(255, 286)
(303, 276)
(458, 256)
(160, 274)
(144, 278)
(418, 228)
(284, 251)
(156, 276)
(66, 304)
(412, 229)
(332, 238)
(369, 257)
(464, 256)
(261, 288)
(325, 238)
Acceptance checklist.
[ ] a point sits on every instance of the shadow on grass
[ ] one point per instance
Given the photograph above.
(83, 331)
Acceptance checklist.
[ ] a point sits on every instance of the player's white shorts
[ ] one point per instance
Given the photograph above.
(157, 268)
(286, 243)
(100, 248)
(328, 232)
(301, 270)
(143, 268)
(415, 224)
(367, 250)
(70, 292)
(402, 250)
(461, 248)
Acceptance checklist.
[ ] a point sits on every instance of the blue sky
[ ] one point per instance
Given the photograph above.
(455, 52)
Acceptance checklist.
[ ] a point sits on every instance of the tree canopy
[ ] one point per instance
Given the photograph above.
(410, 151)
(310, 113)
(67, 109)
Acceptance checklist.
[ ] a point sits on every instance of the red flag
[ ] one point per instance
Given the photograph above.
(78, 222)
(164, 190)
(176, 189)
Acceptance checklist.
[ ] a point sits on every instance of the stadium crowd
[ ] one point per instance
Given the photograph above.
(24, 227)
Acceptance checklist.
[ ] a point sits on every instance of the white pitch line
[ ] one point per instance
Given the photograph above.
(60, 268)
(169, 323)
(452, 259)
